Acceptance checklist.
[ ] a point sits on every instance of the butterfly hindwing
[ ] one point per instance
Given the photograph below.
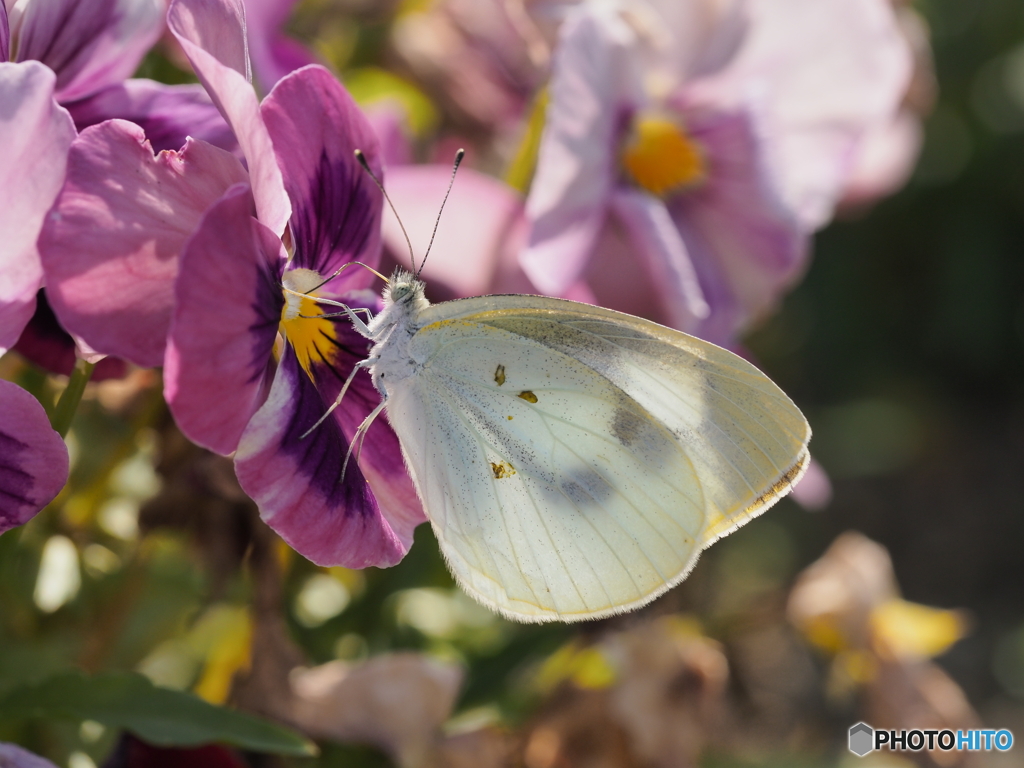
(573, 460)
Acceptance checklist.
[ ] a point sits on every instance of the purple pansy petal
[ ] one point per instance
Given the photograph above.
(744, 243)
(5, 34)
(90, 45)
(33, 458)
(212, 33)
(663, 252)
(273, 55)
(35, 135)
(167, 113)
(111, 243)
(576, 162)
(481, 229)
(297, 482)
(227, 308)
(336, 206)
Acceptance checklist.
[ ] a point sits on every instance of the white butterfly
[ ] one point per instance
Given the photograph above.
(574, 461)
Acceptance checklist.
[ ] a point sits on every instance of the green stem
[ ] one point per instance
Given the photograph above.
(64, 413)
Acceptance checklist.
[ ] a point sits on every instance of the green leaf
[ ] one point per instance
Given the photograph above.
(159, 716)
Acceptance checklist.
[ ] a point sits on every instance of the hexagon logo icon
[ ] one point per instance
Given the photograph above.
(862, 737)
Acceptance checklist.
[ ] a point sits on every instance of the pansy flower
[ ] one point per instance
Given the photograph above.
(254, 360)
(93, 47)
(35, 134)
(709, 139)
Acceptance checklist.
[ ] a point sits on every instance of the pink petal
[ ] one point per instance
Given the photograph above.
(590, 88)
(745, 244)
(35, 135)
(212, 33)
(316, 128)
(33, 458)
(297, 482)
(823, 73)
(90, 45)
(273, 55)
(167, 113)
(479, 232)
(227, 308)
(110, 247)
(663, 252)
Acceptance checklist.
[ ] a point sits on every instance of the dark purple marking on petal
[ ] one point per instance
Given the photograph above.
(321, 455)
(45, 343)
(5, 34)
(338, 222)
(63, 34)
(33, 458)
(365, 518)
(15, 483)
(336, 207)
(167, 113)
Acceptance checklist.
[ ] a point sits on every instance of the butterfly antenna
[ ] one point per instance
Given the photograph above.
(455, 167)
(341, 269)
(366, 167)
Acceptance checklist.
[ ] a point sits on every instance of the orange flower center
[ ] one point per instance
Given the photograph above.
(661, 158)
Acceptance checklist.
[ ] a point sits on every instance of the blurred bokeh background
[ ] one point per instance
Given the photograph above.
(904, 345)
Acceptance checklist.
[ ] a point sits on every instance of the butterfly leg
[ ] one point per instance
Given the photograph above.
(337, 401)
(359, 435)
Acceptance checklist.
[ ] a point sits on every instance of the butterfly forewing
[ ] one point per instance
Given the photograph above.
(574, 460)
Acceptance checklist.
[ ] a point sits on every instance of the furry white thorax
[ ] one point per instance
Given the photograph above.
(393, 328)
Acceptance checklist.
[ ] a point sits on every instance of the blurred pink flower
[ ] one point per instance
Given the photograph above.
(717, 135)
(480, 59)
(240, 286)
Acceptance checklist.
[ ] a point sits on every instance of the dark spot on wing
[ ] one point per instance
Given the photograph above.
(627, 426)
(499, 375)
(528, 396)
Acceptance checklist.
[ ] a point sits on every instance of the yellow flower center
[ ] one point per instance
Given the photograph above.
(661, 158)
(311, 335)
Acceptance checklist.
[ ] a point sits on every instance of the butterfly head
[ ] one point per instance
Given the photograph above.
(405, 290)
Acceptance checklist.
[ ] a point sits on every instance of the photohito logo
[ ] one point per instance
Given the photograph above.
(865, 739)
